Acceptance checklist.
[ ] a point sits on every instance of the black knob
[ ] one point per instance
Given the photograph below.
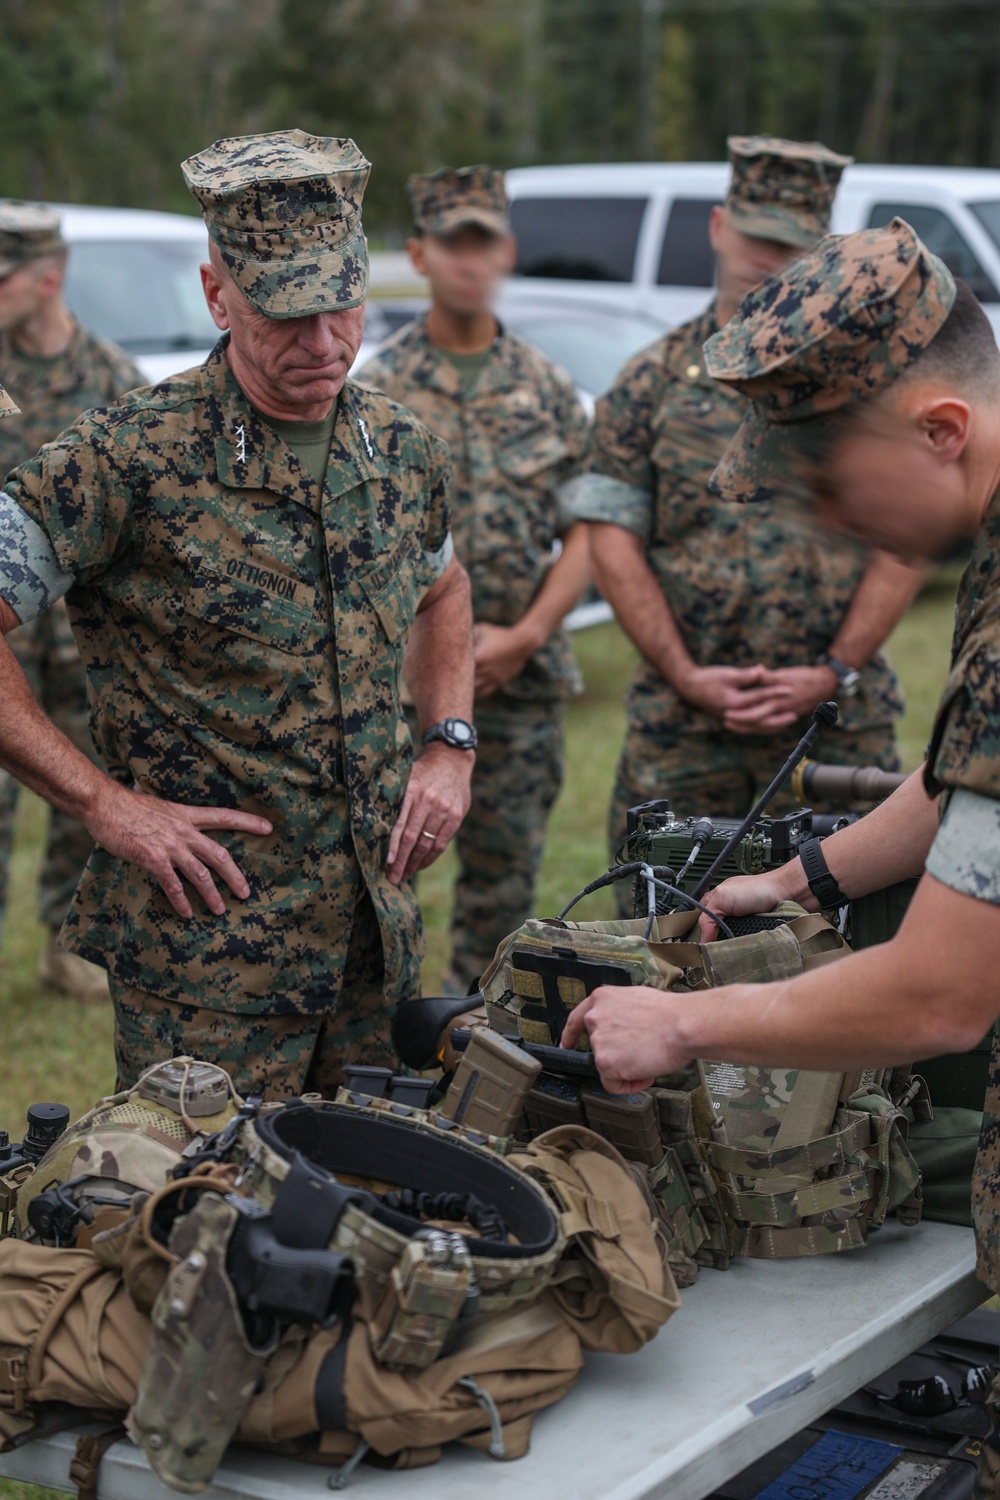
(46, 1123)
(826, 714)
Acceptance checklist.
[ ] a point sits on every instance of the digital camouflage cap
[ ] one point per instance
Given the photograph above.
(782, 190)
(27, 231)
(7, 406)
(837, 327)
(284, 210)
(454, 197)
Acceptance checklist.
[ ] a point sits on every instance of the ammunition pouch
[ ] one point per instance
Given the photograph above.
(740, 1161)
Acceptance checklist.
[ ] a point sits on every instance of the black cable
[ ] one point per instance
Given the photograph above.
(621, 872)
(690, 901)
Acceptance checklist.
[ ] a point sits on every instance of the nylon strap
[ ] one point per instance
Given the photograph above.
(767, 1243)
(86, 1462)
(838, 1149)
(833, 1194)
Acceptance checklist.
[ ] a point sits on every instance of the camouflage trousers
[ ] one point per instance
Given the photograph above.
(47, 653)
(719, 775)
(279, 1056)
(516, 780)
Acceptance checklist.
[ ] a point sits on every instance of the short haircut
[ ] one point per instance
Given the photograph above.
(964, 349)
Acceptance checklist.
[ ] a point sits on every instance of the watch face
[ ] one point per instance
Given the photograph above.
(458, 730)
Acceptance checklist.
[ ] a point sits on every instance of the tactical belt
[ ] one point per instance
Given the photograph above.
(339, 1139)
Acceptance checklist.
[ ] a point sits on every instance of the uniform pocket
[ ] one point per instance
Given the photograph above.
(394, 588)
(532, 452)
(235, 655)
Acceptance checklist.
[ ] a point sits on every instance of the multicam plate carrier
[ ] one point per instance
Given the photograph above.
(764, 1162)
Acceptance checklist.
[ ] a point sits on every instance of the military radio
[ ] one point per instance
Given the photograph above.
(690, 846)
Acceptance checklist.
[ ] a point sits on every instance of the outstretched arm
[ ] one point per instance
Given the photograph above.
(931, 989)
(889, 844)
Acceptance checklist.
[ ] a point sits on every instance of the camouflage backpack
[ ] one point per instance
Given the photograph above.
(762, 1162)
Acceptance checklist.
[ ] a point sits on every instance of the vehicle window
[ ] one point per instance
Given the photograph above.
(988, 215)
(686, 258)
(941, 235)
(591, 348)
(578, 239)
(143, 294)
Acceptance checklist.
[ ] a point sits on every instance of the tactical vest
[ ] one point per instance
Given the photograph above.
(762, 1162)
(331, 1277)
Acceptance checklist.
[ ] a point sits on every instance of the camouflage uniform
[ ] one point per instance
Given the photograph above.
(515, 437)
(838, 329)
(743, 586)
(90, 372)
(243, 630)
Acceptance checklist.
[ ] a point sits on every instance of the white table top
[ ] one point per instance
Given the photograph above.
(754, 1354)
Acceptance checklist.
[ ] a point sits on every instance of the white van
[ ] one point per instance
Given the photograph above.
(637, 236)
(133, 277)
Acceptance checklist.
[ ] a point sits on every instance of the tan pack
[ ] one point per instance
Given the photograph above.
(73, 1332)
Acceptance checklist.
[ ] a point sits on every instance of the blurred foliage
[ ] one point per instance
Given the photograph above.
(103, 98)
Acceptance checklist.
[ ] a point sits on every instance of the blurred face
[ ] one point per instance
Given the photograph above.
(465, 269)
(26, 292)
(289, 365)
(742, 260)
(898, 476)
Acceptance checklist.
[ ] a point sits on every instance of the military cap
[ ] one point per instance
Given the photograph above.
(782, 190)
(834, 329)
(27, 231)
(7, 407)
(453, 197)
(284, 210)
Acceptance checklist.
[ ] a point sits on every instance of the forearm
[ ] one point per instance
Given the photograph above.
(628, 583)
(439, 664)
(32, 749)
(879, 602)
(889, 844)
(561, 589)
(925, 992)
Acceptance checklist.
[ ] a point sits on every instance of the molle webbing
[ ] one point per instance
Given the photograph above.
(763, 1162)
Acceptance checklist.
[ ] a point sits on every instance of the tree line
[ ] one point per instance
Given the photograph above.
(103, 98)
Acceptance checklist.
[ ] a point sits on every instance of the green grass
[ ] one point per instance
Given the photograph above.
(55, 1049)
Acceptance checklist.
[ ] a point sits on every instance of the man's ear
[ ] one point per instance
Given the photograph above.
(716, 225)
(415, 250)
(945, 422)
(214, 295)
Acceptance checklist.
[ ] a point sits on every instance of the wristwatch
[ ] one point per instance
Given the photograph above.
(458, 733)
(848, 677)
(817, 872)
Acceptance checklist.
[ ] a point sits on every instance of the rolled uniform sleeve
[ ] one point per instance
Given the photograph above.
(965, 854)
(77, 493)
(439, 548)
(619, 485)
(31, 579)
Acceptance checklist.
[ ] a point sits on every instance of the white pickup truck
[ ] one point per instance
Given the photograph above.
(636, 236)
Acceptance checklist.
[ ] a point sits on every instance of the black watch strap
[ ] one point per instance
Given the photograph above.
(817, 873)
